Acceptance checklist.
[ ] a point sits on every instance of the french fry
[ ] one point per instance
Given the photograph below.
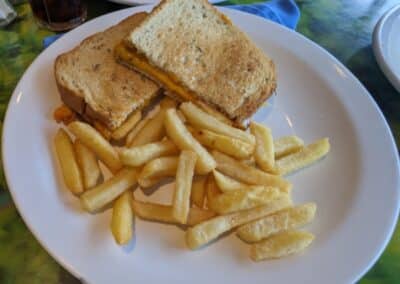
(167, 103)
(303, 158)
(209, 230)
(152, 131)
(287, 145)
(138, 156)
(223, 143)
(198, 191)
(212, 190)
(280, 245)
(248, 174)
(102, 130)
(198, 215)
(264, 152)
(227, 184)
(68, 162)
(214, 113)
(163, 213)
(87, 161)
(242, 199)
(183, 185)
(95, 142)
(127, 126)
(99, 196)
(250, 162)
(138, 127)
(200, 119)
(181, 115)
(122, 218)
(64, 114)
(157, 169)
(179, 134)
(278, 222)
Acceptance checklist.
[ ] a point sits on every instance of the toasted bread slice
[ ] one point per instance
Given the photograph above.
(195, 52)
(98, 88)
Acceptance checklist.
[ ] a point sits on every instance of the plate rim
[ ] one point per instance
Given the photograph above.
(353, 78)
(377, 46)
(148, 2)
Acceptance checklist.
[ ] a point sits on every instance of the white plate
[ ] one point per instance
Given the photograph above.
(141, 2)
(356, 187)
(386, 45)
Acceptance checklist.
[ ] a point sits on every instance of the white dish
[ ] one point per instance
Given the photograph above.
(386, 45)
(142, 2)
(356, 187)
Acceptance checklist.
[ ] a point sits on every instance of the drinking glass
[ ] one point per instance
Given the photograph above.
(59, 15)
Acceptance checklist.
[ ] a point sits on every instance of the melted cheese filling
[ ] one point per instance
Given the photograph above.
(140, 62)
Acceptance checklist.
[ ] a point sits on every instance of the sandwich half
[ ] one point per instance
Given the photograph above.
(198, 55)
(95, 86)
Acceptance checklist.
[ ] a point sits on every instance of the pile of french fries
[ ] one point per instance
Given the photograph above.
(226, 179)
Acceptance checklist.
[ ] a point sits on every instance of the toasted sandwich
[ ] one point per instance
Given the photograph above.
(196, 53)
(95, 86)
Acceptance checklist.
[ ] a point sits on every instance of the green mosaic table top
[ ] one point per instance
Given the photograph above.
(343, 27)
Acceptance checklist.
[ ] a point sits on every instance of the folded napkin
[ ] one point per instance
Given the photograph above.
(284, 12)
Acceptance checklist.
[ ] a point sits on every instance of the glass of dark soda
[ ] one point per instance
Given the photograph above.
(59, 15)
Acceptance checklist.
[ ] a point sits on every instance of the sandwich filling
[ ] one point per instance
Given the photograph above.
(129, 55)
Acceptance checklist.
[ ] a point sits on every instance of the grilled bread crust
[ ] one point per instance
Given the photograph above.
(93, 84)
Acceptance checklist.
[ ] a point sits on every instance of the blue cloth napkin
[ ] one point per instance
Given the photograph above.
(284, 12)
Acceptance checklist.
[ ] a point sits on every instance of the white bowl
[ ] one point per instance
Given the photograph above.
(386, 45)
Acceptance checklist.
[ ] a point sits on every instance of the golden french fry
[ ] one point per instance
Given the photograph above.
(248, 174)
(137, 156)
(209, 230)
(87, 161)
(138, 127)
(102, 129)
(242, 199)
(99, 196)
(168, 102)
(122, 218)
(127, 126)
(264, 152)
(278, 222)
(152, 131)
(157, 169)
(212, 190)
(223, 143)
(183, 185)
(198, 215)
(200, 119)
(280, 245)
(68, 162)
(198, 191)
(250, 162)
(163, 213)
(95, 142)
(214, 113)
(181, 115)
(153, 211)
(179, 134)
(303, 158)
(64, 114)
(287, 145)
(227, 184)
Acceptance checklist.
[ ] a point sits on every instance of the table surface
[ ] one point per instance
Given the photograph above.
(342, 27)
